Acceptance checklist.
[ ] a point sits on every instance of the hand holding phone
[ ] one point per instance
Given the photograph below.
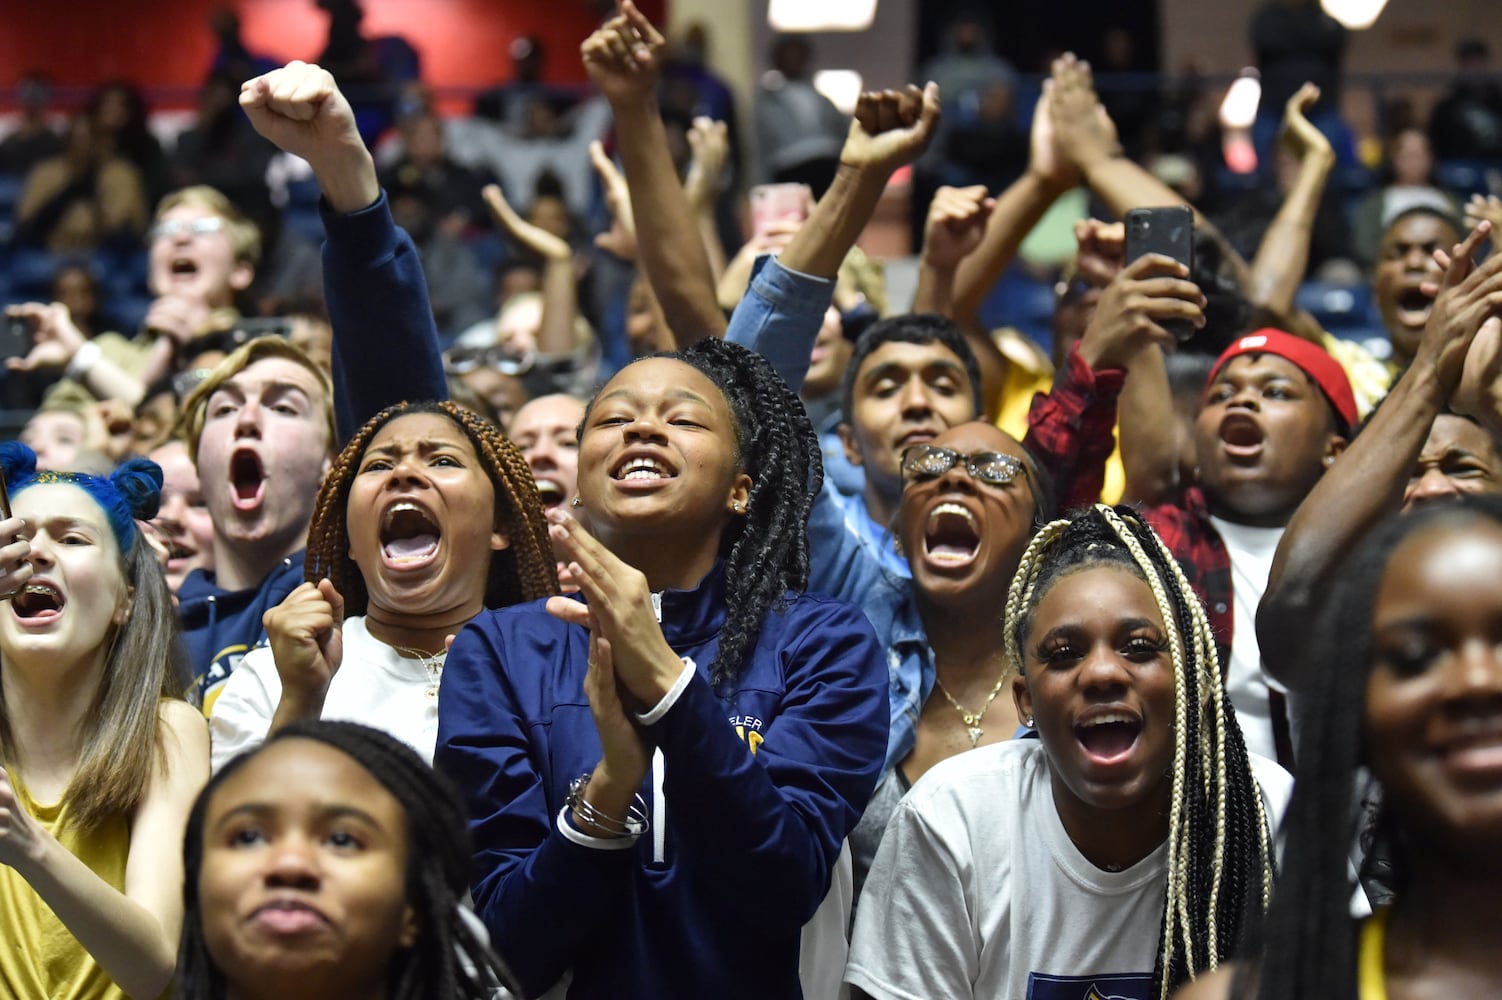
(778, 203)
(14, 569)
(1168, 230)
(16, 336)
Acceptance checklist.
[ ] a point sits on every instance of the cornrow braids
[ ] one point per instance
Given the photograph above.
(1220, 855)
(522, 571)
(1308, 941)
(449, 959)
(766, 550)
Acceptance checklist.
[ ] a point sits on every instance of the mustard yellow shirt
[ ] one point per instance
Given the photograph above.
(40, 959)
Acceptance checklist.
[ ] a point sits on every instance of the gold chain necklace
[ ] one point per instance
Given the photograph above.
(431, 662)
(973, 719)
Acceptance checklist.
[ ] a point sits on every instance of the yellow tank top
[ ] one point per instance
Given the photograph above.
(1371, 977)
(40, 959)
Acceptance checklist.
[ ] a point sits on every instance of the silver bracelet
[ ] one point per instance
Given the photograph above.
(83, 359)
(635, 824)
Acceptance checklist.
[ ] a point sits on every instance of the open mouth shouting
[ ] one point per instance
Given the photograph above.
(1414, 306)
(409, 536)
(183, 270)
(1241, 436)
(247, 479)
(951, 536)
(1107, 737)
(550, 492)
(642, 470)
(38, 603)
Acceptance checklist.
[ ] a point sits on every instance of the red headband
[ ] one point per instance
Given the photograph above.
(1311, 359)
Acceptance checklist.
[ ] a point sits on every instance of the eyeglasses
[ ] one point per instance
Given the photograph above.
(926, 461)
(463, 360)
(171, 228)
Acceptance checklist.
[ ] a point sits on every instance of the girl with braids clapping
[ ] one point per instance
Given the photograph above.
(1404, 708)
(330, 862)
(660, 775)
(101, 755)
(428, 516)
(1121, 852)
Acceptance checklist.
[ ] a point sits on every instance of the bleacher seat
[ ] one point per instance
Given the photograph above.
(1023, 302)
(1464, 178)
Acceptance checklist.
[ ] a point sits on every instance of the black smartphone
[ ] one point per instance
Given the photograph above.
(1169, 231)
(16, 336)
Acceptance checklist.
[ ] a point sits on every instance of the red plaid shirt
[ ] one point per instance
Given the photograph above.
(1070, 430)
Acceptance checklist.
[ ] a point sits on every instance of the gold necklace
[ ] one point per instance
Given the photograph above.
(431, 662)
(973, 719)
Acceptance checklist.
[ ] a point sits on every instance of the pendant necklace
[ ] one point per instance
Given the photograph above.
(431, 662)
(973, 719)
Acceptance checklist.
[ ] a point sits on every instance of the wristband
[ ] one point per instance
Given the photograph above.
(82, 361)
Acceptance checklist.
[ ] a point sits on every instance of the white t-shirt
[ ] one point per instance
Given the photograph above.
(977, 891)
(374, 685)
(1251, 551)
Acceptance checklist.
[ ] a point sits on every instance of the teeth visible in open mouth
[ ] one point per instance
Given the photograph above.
(408, 533)
(952, 535)
(37, 599)
(1108, 719)
(953, 508)
(642, 468)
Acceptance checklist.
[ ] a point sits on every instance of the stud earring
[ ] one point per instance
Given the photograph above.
(576, 501)
(1329, 460)
(1029, 722)
(736, 506)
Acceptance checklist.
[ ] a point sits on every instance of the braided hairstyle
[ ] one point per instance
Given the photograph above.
(1308, 940)
(766, 550)
(1220, 852)
(451, 959)
(522, 571)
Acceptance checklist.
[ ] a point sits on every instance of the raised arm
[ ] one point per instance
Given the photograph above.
(623, 59)
(560, 299)
(1087, 137)
(373, 281)
(1283, 255)
(1013, 215)
(58, 344)
(780, 314)
(132, 935)
(891, 129)
(709, 151)
(957, 223)
(1070, 428)
(1365, 485)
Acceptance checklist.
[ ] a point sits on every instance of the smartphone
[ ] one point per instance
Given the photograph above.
(4, 501)
(778, 203)
(16, 336)
(1168, 231)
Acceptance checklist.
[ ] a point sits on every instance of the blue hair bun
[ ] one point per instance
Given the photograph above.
(18, 461)
(139, 481)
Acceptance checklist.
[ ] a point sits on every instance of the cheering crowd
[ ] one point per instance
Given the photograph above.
(808, 649)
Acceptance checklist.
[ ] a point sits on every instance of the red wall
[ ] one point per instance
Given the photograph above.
(167, 43)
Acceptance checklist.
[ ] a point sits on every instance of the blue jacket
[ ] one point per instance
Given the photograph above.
(220, 626)
(852, 556)
(754, 789)
(385, 341)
